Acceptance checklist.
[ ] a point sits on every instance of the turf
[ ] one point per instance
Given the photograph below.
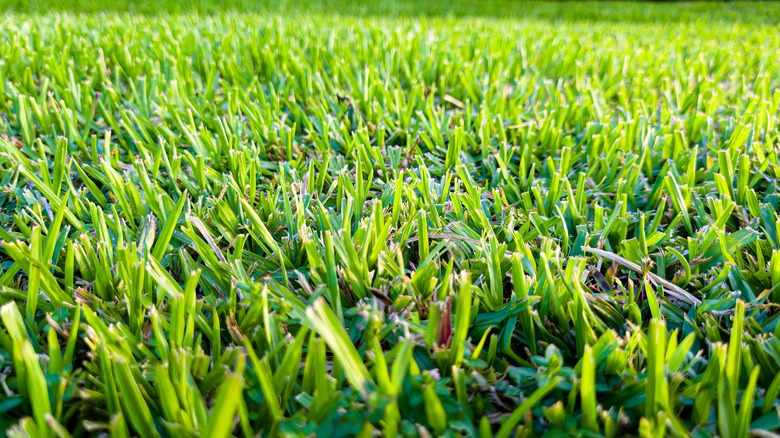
(339, 218)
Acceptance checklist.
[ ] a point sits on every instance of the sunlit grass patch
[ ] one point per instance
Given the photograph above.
(380, 222)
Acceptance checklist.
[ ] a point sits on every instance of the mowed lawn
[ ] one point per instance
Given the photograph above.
(338, 218)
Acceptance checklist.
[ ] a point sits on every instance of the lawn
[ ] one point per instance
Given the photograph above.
(391, 218)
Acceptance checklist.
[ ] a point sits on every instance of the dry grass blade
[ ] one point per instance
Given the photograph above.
(670, 288)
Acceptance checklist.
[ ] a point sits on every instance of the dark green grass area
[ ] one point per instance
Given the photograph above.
(389, 219)
(663, 12)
